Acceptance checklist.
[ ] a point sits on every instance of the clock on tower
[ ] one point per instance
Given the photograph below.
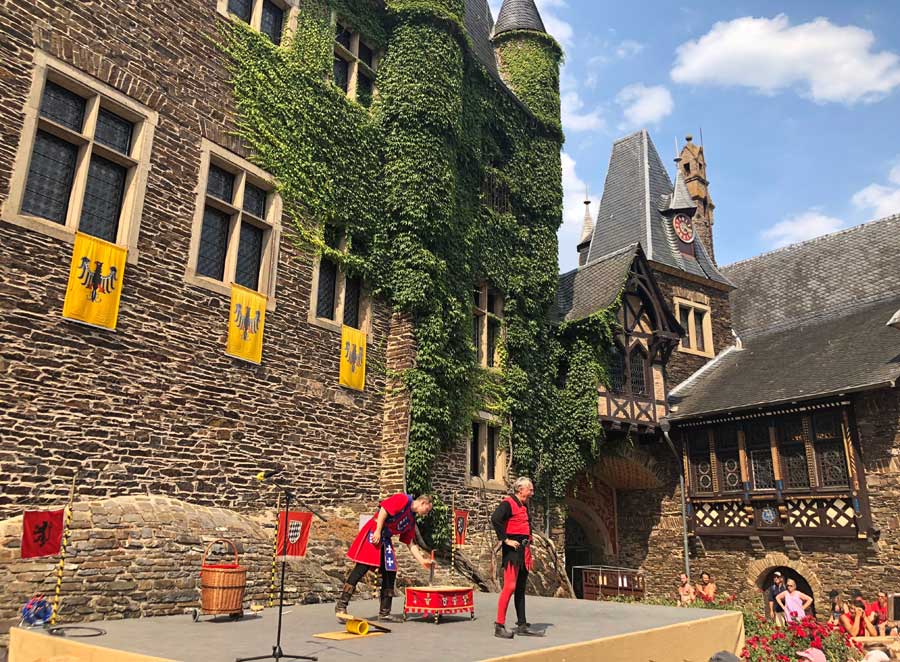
(684, 227)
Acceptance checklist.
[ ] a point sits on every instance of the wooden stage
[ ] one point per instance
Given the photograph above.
(576, 631)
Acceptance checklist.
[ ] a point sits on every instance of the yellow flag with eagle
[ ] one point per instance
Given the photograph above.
(246, 320)
(353, 358)
(95, 282)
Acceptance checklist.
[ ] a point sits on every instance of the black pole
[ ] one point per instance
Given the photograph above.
(277, 653)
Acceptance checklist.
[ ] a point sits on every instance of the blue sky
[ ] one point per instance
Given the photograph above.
(799, 104)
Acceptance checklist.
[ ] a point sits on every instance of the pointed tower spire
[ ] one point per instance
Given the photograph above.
(587, 232)
(681, 198)
(518, 15)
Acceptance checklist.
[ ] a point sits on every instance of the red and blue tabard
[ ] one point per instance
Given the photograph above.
(401, 521)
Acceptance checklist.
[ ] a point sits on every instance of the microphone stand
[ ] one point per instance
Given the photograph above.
(277, 654)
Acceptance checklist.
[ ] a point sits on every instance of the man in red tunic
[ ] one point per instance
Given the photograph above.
(513, 527)
(373, 548)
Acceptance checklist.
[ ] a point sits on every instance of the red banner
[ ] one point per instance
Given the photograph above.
(293, 534)
(460, 525)
(42, 532)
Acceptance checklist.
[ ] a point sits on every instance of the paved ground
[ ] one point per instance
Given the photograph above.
(456, 638)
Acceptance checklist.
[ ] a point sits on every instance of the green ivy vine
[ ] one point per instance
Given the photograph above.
(403, 179)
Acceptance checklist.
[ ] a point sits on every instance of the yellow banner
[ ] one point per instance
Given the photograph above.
(353, 358)
(245, 324)
(95, 282)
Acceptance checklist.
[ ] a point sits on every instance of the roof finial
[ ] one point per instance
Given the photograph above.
(587, 225)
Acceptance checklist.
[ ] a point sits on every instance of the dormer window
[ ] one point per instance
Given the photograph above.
(696, 320)
(355, 63)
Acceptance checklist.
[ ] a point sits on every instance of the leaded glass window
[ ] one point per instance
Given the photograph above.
(354, 65)
(341, 73)
(272, 21)
(243, 9)
(352, 292)
(832, 464)
(638, 372)
(114, 131)
(487, 329)
(255, 201)
(728, 458)
(763, 469)
(616, 369)
(50, 176)
(249, 257)
(794, 466)
(103, 199)
(701, 466)
(326, 289)
(213, 244)
(62, 106)
(220, 184)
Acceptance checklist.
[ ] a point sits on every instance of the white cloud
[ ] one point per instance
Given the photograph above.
(801, 227)
(880, 200)
(559, 29)
(643, 105)
(628, 48)
(573, 119)
(612, 52)
(820, 60)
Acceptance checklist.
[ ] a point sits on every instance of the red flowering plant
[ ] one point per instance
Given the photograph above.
(769, 643)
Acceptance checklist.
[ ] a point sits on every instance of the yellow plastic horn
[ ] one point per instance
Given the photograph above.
(358, 626)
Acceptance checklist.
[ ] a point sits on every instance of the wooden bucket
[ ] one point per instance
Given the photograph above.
(222, 585)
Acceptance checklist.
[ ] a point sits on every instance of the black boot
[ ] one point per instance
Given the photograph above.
(525, 630)
(501, 631)
(340, 607)
(384, 611)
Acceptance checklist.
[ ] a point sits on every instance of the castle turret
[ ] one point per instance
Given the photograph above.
(693, 168)
(528, 58)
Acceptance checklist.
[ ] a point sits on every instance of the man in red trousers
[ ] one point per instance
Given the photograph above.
(513, 528)
(373, 548)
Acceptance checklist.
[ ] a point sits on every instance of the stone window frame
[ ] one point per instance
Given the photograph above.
(97, 95)
(482, 318)
(244, 172)
(485, 421)
(340, 290)
(705, 313)
(351, 57)
(290, 8)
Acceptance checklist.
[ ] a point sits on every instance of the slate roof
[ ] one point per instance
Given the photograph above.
(593, 286)
(519, 15)
(681, 200)
(480, 25)
(637, 188)
(825, 356)
(816, 278)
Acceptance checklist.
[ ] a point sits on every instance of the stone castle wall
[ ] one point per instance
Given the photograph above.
(650, 528)
(157, 405)
(681, 364)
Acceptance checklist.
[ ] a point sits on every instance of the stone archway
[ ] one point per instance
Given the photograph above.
(760, 571)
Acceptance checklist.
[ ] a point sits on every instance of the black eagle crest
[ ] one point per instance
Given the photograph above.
(245, 320)
(354, 355)
(94, 279)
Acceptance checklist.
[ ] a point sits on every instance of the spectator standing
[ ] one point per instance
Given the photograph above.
(775, 611)
(793, 602)
(707, 588)
(686, 592)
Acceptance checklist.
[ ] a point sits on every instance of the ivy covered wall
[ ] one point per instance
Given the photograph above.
(404, 180)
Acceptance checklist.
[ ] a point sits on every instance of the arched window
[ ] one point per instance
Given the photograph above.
(638, 372)
(616, 369)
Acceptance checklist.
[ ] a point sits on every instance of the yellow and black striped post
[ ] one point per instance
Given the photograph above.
(62, 552)
(275, 552)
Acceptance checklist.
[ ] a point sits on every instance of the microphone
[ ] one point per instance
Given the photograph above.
(263, 476)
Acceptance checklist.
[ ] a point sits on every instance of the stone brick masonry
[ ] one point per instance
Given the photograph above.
(156, 405)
